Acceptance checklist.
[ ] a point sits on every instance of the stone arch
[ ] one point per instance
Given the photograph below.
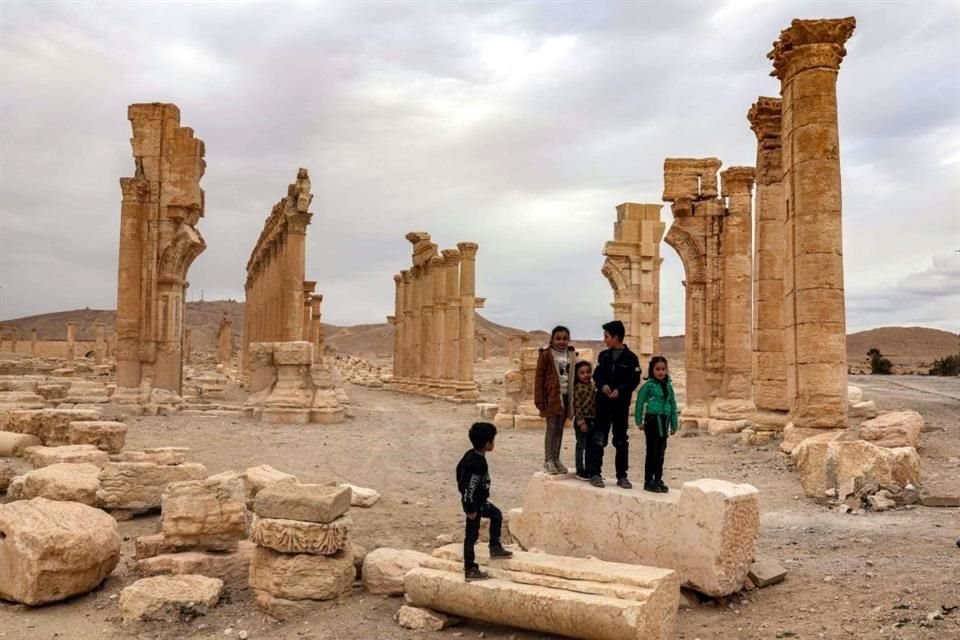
(694, 264)
(183, 249)
(613, 272)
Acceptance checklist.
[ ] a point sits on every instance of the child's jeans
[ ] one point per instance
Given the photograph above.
(580, 452)
(656, 448)
(472, 533)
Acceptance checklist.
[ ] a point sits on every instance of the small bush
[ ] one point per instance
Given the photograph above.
(878, 364)
(948, 366)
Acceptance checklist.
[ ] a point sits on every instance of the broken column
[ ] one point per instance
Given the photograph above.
(316, 327)
(806, 59)
(100, 344)
(33, 341)
(71, 341)
(769, 366)
(632, 267)
(225, 341)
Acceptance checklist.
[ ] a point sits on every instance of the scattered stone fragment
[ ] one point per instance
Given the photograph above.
(294, 536)
(941, 500)
(358, 553)
(361, 496)
(170, 598)
(78, 453)
(105, 435)
(301, 576)
(719, 427)
(13, 444)
(65, 481)
(159, 456)
(829, 461)
(138, 486)
(52, 426)
(203, 514)
(894, 429)
(384, 569)
(152, 545)
(257, 478)
(420, 619)
(881, 501)
(765, 572)
(306, 502)
(231, 567)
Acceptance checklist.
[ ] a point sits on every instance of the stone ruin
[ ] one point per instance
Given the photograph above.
(225, 341)
(434, 322)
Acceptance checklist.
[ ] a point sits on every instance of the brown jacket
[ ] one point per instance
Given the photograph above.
(547, 394)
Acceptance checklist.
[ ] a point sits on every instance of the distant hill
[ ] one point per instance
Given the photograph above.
(903, 345)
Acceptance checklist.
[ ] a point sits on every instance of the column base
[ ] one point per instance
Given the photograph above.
(769, 420)
(732, 409)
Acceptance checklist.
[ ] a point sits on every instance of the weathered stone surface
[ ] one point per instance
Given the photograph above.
(361, 496)
(169, 598)
(306, 502)
(152, 545)
(863, 410)
(203, 515)
(76, 453)
(52, 550)
(719, 427)
(940, 500)
(160, 455)
(894, 429)
(257, 478)
(301, 576)
(7, 474)
(854, 395)
(69, 482)
(282, 608)
(294, 536)
(705, 530)
(13, 444)
(231, 567)
(105, 435)
(755, 438)
(383, 569)
(420, 619)
(559, 596)
(138, 486)
(487, 411)
(52, 426)
(793, 436)
(831, 462)
(766, 572)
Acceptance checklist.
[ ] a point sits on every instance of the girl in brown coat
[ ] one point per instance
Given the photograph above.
(553, 392)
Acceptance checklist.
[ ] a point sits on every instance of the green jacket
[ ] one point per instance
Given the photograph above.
(651, 398)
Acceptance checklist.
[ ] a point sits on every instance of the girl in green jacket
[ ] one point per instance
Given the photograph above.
(656, 416)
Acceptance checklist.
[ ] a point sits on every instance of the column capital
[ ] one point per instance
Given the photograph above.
(309, 286)
(737, 180)
(452, 256)
(398, 278)
(765, 117)
(468, 250)
(808, 43)
(406, 275)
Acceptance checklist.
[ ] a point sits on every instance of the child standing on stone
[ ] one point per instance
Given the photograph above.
(656, 415)
(584, 414)
(552, 391)
(473, 481)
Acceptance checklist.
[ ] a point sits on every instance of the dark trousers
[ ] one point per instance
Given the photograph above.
(656, 449)
(611, 419)
(472, 532)
(583, 443)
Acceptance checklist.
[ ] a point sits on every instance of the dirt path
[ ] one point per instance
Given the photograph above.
(869, 576)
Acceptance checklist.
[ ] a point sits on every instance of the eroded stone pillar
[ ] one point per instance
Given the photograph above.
(466, 387)
(451, 332)
(71, 341)
(316, 327)
(407, 327)
(769, 365)
(309, 286)
(187, 346)
(225, 341)
(806, 59)
(439, 278)
(33, 341)
(100, 343)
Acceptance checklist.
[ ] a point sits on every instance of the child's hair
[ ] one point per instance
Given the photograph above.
(615, 328)
(653, 362)
(481, 433)
(557, 329)
(580, 365)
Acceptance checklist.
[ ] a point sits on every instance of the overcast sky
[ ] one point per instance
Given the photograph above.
(518, 125)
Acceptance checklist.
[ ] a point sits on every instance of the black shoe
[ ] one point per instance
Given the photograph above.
(652, 488)
(597, 482)
(585, 478)
(474, 573)
(499, 552)
(624, 483)
(662, 488)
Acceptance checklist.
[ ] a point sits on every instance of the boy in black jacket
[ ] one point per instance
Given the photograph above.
(473, 481)
(616, 376)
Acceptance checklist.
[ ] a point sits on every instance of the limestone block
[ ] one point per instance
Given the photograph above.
(894, 429)
(138, 486)
(51, 550)
(420, 619)
(77, 453)
(794, 435)
(169, 598)
(7, 474)
(301, 576)
(755, 438)
(719, 427)
(13, 444)
(558, 596)
(203, 515)
(159, 455)
(152, 545)
(854, 395)
(105, 435)
(20, 400)
(487, 410)
(863, 410)
(836, 463)
(732, 409)
(231, 567)
(504, 421)
(294, 536)
(52, 426)
(361, 496)
(69, 482)
(258, 478)
(705, 531)
(292, 353)
(384, 569)
(306, 502)
(53, 391)
(529, 421)
(765, 572)
(282, 608)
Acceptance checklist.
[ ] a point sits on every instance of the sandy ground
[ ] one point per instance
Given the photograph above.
(876, 575)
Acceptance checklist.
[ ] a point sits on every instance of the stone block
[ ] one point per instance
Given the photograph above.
(826, 462)
(294, 536)
(764, 573)
(105, 435)
(51, 550)
(172, 598)
(504, 421)
(161, 456)
(384, 569)
(420, 619)
(65, 481)
(76, 453)
(301, 576)
(558, 596)
(203, 515)
(138, 486)
(720, 427)
(361, 496)
(152, 545)
(894, 429)
(13, 444)
(705, 531)
(487, 410)
(258, 478)
(306, 502)
(794, 435)
(529, 421)
(231, 567)
(292, 353)
(854, 395)
(52, 426)
(863, 410)
(753, 438)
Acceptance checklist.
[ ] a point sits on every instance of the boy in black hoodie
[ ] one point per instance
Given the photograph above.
(473, 481)
(616, 376)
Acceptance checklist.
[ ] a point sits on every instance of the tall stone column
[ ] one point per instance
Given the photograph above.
(769, 366)
(71, 341)
(316, 327)
(130, 266)
(736, 386)
(397, 321)
(429, 357)
(451, 331)
(100, 344)
(406, 349)
(467, 388)
(187, 345)
(225, 341)
(416, 345)
(33, 341)
(439, 277)
(806, 60)
(309, 286)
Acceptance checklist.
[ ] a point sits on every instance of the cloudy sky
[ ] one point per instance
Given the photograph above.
(516, 125)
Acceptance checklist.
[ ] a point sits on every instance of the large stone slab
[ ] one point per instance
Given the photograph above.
(52, 550)
(204, 514)
(76, 453)
(231, 567)
(294, 536)
(68, 482)
(571, 597)
(833, 461)
(384, 569)
(305, 502)
(301, 576)
(705, 531)
(256, 479)
(14, 444)
(52, 426)
(894, 429)
(106, 435)
(169, 598)
(159, 455)
(138, 486)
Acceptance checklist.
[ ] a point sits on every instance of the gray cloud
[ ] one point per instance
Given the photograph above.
(517, 125)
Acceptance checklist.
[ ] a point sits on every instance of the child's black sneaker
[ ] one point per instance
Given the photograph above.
(652, 488)
(583, 477)
(597, 482)
(499, 552)
(662, 488)
(474, 573)
(624, 483)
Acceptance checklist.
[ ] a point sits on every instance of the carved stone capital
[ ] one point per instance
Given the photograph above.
(737, 180)
(468, 250)
(811, 41)
(765, 117)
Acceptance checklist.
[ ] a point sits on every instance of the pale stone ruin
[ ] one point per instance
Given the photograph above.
(225, 341)
(517, 409)
(162, 204)
(434, 322)
(516, 343)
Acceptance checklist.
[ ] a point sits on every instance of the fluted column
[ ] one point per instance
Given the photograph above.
(468, 256)
(451, 332)
(397, 321)
(439, 276)
(429, 358)
(416, 354)
(806, 59)
(406, 357)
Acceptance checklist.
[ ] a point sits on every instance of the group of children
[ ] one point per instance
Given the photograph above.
(595, 403)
